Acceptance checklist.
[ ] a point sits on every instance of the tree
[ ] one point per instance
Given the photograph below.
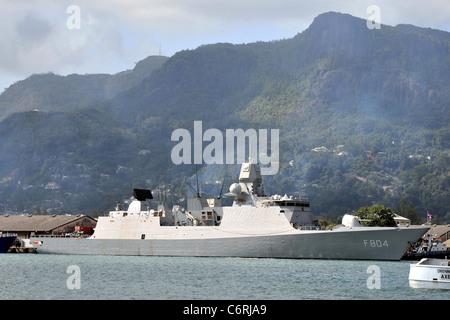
(376, 216)
(40, 212)
(408, 211)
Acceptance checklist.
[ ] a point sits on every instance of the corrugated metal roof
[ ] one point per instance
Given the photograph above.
(440, 230)
(436, 230)
(16, 223)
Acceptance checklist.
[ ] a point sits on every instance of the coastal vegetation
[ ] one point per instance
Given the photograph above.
(376, 216)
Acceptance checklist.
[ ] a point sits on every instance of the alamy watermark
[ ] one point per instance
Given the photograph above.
(74, 20)
(374, 280)
(213, 153)
(74, 280)
(374, 20)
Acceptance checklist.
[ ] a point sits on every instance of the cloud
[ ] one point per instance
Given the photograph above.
(34, 38)
(114, 34)
(32, 28)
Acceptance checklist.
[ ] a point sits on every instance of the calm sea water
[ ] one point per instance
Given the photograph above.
(39, 276)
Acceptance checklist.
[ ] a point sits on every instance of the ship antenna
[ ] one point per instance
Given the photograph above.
(193, 189)
(221, 189)
(198, 188)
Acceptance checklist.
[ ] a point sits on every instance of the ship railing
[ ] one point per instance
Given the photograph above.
(8, 234)
(309, 228)
(68, 235)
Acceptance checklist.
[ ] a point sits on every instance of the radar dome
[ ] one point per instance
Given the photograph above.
(235, 188)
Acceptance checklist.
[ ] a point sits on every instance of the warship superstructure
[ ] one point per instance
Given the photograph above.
(255, 225)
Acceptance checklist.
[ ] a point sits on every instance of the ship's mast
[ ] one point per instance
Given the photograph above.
(250, 179)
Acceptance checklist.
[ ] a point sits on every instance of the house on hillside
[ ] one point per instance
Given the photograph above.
(402, 221)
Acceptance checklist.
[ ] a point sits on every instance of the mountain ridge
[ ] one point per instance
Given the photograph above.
(75, 91)
(376, 100)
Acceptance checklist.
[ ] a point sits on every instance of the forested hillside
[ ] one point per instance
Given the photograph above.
(362, 114)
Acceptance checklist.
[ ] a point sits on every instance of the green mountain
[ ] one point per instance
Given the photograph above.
(362, 115)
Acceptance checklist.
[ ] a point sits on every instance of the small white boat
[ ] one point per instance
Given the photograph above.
(430, 273)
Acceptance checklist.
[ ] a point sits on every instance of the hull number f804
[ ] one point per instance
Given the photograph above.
(376, 243)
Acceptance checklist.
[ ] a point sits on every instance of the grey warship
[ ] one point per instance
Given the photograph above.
(254, 226)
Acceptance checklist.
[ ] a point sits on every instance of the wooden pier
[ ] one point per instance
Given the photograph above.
(15, 249)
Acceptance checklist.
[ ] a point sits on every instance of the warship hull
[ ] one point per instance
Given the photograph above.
(255, 226)
(344, 243)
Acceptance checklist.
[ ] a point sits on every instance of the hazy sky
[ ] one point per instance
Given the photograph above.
(109, 36)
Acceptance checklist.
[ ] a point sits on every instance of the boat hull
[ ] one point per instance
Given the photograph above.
(6, 243)
(441, 254)
(428, 276)
(354, 244)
